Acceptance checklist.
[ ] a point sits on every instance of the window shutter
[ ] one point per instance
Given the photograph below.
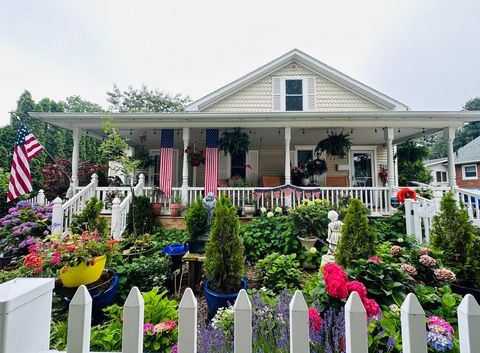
(276, 94)
(309, 94)
(251, 174)
(224, 165)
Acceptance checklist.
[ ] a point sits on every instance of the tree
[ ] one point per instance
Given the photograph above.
(144, 100)
(75, 104)
(470, 131)
(358, 238)
(410, 157)
(438, 148)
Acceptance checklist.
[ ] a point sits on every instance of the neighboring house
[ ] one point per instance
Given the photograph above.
(467, 167)
(287, 106)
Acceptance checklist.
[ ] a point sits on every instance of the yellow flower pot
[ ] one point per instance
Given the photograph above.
(84, 273)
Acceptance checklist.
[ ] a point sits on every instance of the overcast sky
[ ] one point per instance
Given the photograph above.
(425, 53)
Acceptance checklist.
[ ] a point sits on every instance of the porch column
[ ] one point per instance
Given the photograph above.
(389, 135)
(449, 134)
(77, 135)
(288, 137)
(186, 141)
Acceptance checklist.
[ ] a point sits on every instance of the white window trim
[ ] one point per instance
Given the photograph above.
(176, 167)
(463, 172)
(302, 148)
(357, 149)
(283, 92)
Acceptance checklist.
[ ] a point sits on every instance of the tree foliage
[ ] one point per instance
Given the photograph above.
(357, 239)
(224, 250)
(144, 100)
(410, 157)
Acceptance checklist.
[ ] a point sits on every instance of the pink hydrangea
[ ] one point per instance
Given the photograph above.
(375, 259)
(412, 271)
(165, 326)
(371, 307)
(427, 261)
(396, 250)
(356, 286)
(424, 251)
(314, 320)
(443, 274)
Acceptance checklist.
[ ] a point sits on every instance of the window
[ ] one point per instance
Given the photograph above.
(303, 157)
(293, 95)
(469, 171)
(441, 177)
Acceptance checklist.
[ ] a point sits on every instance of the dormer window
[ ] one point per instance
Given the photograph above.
(293, 94)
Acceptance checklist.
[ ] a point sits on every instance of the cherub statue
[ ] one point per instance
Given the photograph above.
(334, 234)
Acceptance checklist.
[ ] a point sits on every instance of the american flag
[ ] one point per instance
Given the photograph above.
(166, 162)
(211, 161)
(26, 147)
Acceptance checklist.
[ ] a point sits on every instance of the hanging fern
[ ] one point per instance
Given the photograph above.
(335, 144)
(234, 142)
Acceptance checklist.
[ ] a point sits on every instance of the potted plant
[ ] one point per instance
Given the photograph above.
(176, 206)
(195, 158)
(297, 175)
(234, 142)
(224, 264)
(249, 206)
(383, 175)
(156, 203)
(197, 226)
(336, 144)
(134, 246)
(77, 258)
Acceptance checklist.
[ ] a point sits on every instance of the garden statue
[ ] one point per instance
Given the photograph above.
(209, 203)
(333, 237)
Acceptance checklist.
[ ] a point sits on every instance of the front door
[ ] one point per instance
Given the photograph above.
(362, 168)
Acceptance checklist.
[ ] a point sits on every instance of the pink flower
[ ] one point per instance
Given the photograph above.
(412, 271)
(444, 274)
(375, 259)
(371, 307)
(335, 281)
(396, 250)
(174, 348)
(356, 286)
(314, 320)
(148, 329)
(424, 251)
(427, 261)
(165, 326)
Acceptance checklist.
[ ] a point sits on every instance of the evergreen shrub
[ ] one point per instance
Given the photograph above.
(90, 219)
(196, 219)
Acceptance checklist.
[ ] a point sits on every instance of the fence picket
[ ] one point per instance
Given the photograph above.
(79, 322)
(243, 324)
(132, 338)
(412, 319)
(356, 339)
(187, 323)
(299, 340)
(468, 324)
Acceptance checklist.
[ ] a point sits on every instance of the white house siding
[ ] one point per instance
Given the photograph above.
(257, 97)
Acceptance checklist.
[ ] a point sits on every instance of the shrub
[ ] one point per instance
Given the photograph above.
(196, 219)
(310, 219)
(454, 235)
(358, 238)
(140, 218)
(90, 219)
(224, 250)
(279, 272)
(264, 235)
(391, 228)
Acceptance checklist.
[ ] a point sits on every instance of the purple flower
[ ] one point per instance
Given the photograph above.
(6, 223)
(40, 216)
(16, 233)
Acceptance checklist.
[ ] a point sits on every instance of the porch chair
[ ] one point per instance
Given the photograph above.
(271, 181)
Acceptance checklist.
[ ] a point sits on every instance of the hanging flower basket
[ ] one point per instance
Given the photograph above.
(335, 145)
(195, 158)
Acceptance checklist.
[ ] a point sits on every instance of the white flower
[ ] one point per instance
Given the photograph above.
(278, 209)
(263, 210)
(270, 214)
(313, 250)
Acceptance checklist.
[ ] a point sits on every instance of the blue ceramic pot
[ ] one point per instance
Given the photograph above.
(216, 301)
(176, 252)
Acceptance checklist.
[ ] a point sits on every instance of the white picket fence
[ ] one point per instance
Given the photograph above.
(25, 309)
(39, 199)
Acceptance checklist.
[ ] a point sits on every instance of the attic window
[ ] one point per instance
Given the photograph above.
(293, 95)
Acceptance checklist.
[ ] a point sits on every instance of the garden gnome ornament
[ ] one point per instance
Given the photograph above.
(334, 228)
(197, 245)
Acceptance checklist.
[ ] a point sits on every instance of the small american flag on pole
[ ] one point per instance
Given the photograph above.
(211, 161)
(166, 162)
(26, 147)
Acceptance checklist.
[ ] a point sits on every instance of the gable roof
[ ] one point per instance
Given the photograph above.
(469, 153)
(309, 62)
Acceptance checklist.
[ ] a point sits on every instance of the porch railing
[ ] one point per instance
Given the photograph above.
(32, 298)
(39, 199)
(471, 199)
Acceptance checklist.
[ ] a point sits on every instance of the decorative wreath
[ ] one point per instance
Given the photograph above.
(406, 193)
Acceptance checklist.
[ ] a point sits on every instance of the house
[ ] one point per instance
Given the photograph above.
(467, 167)
(286, 107)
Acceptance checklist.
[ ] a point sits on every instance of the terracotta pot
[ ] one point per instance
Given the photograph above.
(308, 243)
(249, 210)
(156, 208)
(175, 209)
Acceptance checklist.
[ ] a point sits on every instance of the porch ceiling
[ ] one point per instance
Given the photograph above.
(407, 124)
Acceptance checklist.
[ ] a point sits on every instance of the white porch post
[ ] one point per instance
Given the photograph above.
(77, 135)
(389, 135)
(186, 141)
(288, 137)
(449, 134)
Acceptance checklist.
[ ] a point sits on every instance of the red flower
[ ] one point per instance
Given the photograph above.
(371, 307)
(406, 193)
(335, 281)
(314, 320)
(356, 286)
(375, 259)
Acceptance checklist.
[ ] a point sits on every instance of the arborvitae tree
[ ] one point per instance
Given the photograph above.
(224, 250)
(358, 237)
(196, 219)
(454, 235)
